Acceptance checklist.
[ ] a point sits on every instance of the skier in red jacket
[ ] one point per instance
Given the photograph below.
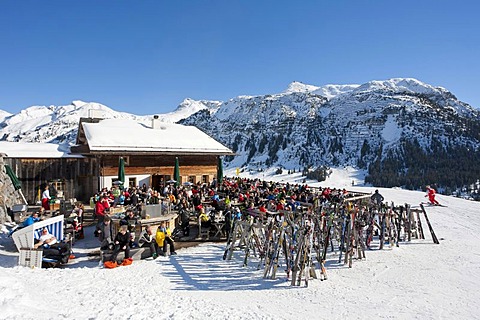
(431, 195)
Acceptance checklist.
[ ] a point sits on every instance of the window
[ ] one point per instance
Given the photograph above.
(132, 182)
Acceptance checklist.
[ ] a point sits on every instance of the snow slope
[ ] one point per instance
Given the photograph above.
(418, 280)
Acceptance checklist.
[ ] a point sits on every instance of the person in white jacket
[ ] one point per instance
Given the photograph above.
(147, 239)
(46, 198)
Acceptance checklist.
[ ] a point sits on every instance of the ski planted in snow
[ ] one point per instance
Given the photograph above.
(434, 237)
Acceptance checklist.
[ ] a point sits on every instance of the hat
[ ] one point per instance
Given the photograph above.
(123, 222)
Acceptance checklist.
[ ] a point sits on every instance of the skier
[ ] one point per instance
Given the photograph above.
(431, 196)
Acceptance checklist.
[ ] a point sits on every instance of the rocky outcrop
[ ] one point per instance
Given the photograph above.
(8, 195)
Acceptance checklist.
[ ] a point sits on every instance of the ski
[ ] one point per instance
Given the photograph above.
(382, 227)
(435, 240)
(420, 228)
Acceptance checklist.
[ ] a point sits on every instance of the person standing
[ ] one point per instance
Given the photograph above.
(102, 207)
(105, 234)
(377, 198)
(46, 198)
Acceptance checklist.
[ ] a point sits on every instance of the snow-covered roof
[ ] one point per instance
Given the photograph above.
(131, 136)
(35, 150)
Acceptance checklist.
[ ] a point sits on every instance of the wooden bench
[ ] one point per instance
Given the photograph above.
(135, 254)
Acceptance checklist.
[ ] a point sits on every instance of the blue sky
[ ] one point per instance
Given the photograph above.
(145, 57)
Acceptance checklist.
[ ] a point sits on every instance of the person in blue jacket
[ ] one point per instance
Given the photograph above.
(31, 220)
(27, 222)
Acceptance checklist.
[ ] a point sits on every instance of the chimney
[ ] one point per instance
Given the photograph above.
(95, 113)
(155, 122)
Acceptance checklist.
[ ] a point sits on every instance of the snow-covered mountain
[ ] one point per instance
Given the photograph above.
(404, 131)
(59, 124)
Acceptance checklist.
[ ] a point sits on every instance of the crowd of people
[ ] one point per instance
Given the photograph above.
(233, 198)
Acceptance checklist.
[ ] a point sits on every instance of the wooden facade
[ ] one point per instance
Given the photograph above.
(75, 177)
(193, 168)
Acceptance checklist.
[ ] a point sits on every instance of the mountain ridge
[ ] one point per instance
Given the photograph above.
(378, 125)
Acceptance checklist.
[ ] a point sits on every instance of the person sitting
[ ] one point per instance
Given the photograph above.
(121, 243)
(52, 248)
(134, 198)
(116, 192)
(132, 222)
(147, 240)
(164, 238)
(46, 239)
(216, 202)
(154, 198)
(105, 234)
(262, 208)
(197, 202)
(34, 217)
(172, 198)
(204, 219)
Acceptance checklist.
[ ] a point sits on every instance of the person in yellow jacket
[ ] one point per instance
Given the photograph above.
(164, 238)
(204, 219)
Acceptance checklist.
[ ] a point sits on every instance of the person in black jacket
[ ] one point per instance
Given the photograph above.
(377, 198)
(122, 243)
(132, 222)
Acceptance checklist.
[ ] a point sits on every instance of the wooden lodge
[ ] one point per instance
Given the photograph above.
(148, 150)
